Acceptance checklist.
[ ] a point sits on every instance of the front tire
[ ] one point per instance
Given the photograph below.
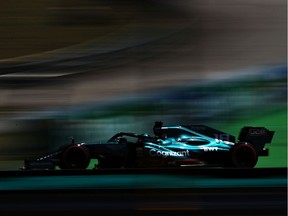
(75, 157)
(244, 156)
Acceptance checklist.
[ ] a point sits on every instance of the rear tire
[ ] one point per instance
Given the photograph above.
(244, 156)
(75, 157)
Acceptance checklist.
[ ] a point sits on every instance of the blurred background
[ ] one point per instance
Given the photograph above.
(89, 69)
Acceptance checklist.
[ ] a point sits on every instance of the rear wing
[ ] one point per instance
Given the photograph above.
(257, 136)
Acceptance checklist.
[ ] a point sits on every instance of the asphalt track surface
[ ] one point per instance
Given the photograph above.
(187, 191)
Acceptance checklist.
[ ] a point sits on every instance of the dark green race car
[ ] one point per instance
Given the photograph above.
(170, 146)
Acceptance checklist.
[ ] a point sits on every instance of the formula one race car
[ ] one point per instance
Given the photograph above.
(170, 146)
